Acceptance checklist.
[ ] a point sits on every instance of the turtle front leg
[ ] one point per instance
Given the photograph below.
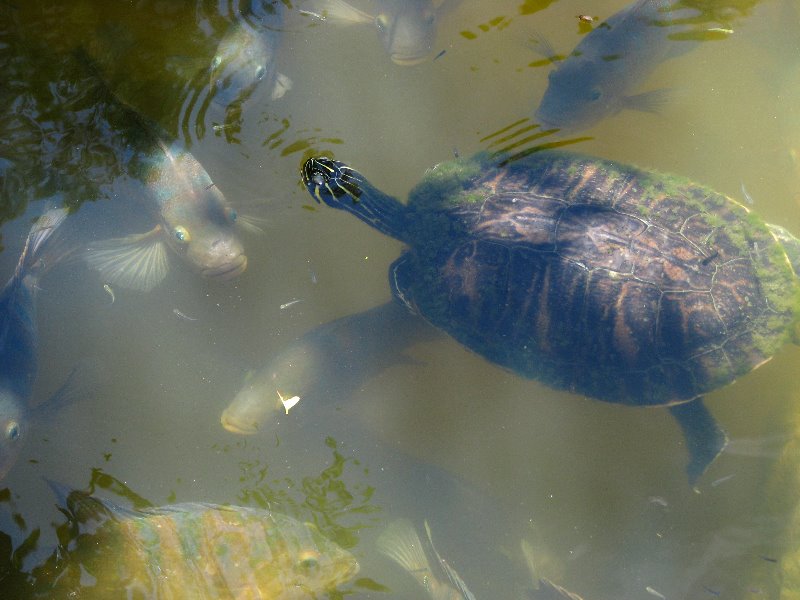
(705, 439)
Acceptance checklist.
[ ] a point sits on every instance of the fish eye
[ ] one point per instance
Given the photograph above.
(308, 561)
(12, 431)
(260, 72)
(595, 94)
(182, 234)
(382, 22)
(232, 214)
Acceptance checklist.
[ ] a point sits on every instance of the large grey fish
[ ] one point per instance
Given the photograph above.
(192, 218)
(401, 543)
(330, 360)
(406, 28)
(245, 59)
(600, 76)
(194, 550)
(19, 339)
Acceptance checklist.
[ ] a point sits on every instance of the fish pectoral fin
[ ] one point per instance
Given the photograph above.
(400, 542)
(340, 11)
(252, 224)
(652, 101)
(282, 85)
(83, 380)
(136, 262)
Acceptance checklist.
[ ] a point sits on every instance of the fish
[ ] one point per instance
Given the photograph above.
(400, 542)
(333, 359)
(407, 29)
(199, 550)
(192, 218)
(599, 78)
(19, 337)
(245, 58)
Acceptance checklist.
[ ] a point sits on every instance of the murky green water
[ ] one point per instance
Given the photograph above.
(487, 458)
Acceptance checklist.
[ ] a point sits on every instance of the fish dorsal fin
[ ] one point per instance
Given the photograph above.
(451, 573)
(340, 11)
(137, 262)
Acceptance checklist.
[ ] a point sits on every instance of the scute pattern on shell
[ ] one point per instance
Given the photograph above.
(618, 283)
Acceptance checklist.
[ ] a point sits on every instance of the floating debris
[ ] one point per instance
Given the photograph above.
(655, 592)
(720, 30)
(439, 55)
(717, 482)
(290, 303)
(182, 315)
(110, 291)
(585, 18)
(712, 591)
(308, 13)
(658, 500)
(288, 403)
(747, 197)
(768, 558)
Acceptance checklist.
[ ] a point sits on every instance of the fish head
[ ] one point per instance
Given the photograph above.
(244, 60)
(317, 563)
(12, 430)
(274, 390)
(198, 223)
(408, 30)
(576, 97)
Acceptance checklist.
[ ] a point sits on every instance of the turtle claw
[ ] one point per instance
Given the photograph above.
(705, 439)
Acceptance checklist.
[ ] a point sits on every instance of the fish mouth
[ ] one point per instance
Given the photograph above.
(229, 270)
(408, 61)
(237, 426)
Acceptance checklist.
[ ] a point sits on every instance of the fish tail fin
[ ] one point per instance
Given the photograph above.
(401, 543)
(32, 258)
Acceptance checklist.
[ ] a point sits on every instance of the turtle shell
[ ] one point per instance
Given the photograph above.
(622, 284)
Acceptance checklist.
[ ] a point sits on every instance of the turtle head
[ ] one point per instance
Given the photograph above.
(328, 180)
(333, 182)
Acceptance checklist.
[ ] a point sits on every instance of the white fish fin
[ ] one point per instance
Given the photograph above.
(137, 262)
(550, 591)
(652, 101)
(542, 46)
(340, 11)
(401, 543)
(451, 573)
(252, 224)
(282, 85)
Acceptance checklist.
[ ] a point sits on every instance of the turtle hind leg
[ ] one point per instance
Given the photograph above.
(705, 439)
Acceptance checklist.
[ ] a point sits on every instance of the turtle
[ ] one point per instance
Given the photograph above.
(619, 283)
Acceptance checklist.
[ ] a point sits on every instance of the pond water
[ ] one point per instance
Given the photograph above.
(489, 459)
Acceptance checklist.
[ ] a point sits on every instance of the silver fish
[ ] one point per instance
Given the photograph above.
(246, 56)
(192, 217)
(600, 76)
(401, 543)
(19, 340)
(407, 28)
(193, 220)
(334, 358)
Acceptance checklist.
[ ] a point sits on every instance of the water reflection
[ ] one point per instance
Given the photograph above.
(575, 476)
